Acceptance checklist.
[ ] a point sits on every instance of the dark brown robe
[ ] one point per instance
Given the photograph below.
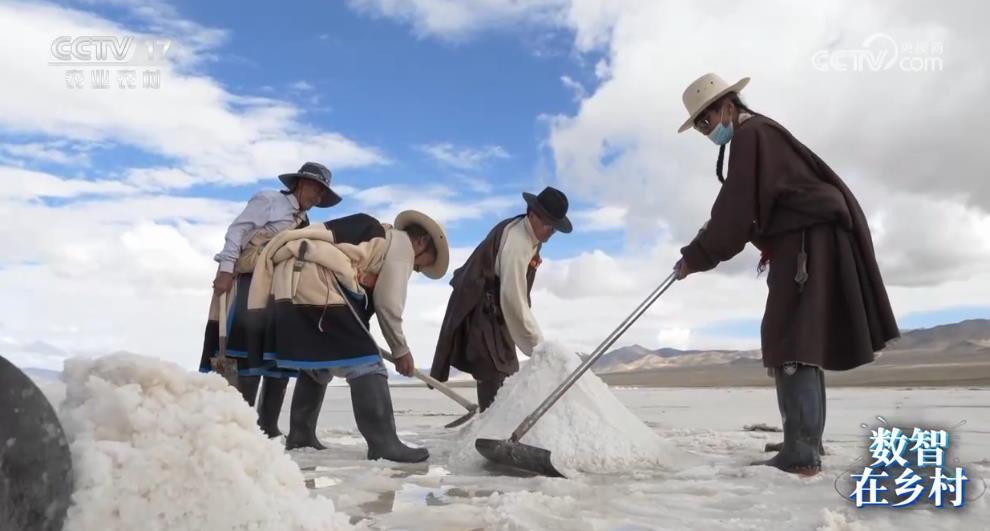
(473, 336)
(783, 198)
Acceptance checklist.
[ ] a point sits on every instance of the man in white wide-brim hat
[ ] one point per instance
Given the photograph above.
(316, 289)
(827, 307)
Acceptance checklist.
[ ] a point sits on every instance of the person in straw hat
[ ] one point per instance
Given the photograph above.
(267, 213)
(317, 289)
(827, 307)
(488, 314)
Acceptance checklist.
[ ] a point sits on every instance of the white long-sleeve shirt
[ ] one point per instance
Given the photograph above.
(268, 210)
(390, 291)
(517, 249)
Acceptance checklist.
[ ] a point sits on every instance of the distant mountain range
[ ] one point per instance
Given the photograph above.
(953, 354)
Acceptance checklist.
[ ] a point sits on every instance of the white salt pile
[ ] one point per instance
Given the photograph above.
(156, 447)
(587, 430)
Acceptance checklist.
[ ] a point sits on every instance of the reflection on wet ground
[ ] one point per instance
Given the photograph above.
(708, 487)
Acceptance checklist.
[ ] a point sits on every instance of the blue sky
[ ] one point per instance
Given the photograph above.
(454, 108)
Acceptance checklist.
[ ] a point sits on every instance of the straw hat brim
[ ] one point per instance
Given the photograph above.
(689, 123)
(412, 217)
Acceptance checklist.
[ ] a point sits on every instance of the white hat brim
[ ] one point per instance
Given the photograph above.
(413, 217)
(689, 123)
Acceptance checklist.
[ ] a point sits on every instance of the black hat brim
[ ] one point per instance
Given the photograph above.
(562, 225)
(330, 198)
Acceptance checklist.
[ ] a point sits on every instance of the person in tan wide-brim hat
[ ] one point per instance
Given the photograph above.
(827, 307)
(315, 291)
(437, 242)
(706, 90)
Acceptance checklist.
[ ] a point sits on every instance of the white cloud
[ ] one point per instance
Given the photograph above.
(24, 184)
(621, 148)
(674, 338)
(478, 185)
(463, 158)
(211, 134)
(120, 273)
(192, 42)
(58, 152)
(925, 241)
(577, 88)
(440, 202)
(589, 275)
(302, 86)
(456, 19)
(605, 218)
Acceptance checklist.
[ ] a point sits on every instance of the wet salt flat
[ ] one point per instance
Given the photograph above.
(706, 485)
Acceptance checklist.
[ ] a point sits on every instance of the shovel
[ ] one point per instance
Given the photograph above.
(225, 366)
(514, 454)
(428, 380)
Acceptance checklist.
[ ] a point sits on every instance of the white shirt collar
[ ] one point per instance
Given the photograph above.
(292, 200)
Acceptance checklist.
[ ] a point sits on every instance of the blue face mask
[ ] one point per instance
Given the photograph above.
(722, 134)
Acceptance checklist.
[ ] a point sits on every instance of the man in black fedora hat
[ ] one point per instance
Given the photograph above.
(488, 314)
(267, 213)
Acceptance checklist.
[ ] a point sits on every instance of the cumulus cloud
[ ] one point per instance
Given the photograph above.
(205, 132)
(621, 145)
(604, 218)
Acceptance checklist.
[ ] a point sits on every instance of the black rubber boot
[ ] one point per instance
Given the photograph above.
(486, 392)
(270, 405)
(248, 386)
(372, 405)
(307, 399)
(776, 447)
(800, 396)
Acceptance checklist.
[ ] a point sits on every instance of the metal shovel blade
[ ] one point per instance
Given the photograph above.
(470, 415)
(517, 455)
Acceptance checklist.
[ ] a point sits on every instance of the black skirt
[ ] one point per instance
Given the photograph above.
(240, 333)
(318, 337)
